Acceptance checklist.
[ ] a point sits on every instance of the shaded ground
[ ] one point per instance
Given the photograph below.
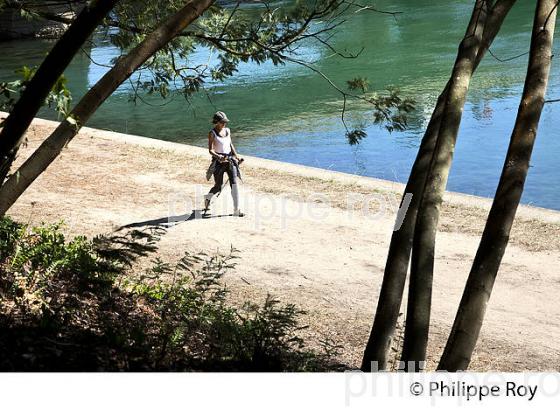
(321, 252)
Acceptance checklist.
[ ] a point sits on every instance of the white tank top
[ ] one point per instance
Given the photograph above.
(221, 145)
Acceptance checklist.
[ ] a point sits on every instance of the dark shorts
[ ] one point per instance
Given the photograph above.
(221, 169)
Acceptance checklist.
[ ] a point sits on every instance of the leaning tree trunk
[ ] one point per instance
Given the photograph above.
(420, 285)
(466, 328)
(123, 69)
(390, 298)
(44, 79)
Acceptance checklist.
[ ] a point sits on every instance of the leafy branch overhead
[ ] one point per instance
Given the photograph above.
(59, 97)
(390, 109)
(237, 34)
(234, 35)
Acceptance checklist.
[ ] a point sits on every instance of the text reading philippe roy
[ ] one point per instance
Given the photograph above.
(479, 392)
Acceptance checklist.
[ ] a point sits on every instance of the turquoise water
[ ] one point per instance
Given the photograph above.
(290, 114)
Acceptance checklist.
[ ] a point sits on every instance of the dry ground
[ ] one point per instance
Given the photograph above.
(321, 252)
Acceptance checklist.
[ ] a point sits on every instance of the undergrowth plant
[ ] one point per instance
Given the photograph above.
(81, 304)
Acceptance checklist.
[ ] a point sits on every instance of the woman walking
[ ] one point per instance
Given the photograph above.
(224, 160)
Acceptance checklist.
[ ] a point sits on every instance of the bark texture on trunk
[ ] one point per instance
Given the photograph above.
(423, 245)
(470, 315)
(122, 70)
(390, 298)
(47, 75)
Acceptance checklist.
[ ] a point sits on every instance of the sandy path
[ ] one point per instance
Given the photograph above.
(312, 250)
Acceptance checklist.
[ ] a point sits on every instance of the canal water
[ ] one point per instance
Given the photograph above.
(290, 113)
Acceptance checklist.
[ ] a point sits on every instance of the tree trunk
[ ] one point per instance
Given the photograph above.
(122, 70)
(420, 285)
(390, 298)
(44, 79)
(470, 315)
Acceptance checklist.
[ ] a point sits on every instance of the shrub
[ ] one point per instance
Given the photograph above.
(39, 267)
(61, 309)
(199, 330)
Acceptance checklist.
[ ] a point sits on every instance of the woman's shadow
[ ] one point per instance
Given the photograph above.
(173, 220)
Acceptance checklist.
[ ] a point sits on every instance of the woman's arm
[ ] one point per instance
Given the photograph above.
(234, 150)
(237, 157)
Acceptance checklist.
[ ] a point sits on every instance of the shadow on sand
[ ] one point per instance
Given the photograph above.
(172, 220)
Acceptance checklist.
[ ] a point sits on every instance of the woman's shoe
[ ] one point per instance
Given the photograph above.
(238, 213)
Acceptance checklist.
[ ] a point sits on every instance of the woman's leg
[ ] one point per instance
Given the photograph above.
(218, 181)
(232, 175)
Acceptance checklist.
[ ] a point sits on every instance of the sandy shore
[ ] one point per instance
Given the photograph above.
(312, 237)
